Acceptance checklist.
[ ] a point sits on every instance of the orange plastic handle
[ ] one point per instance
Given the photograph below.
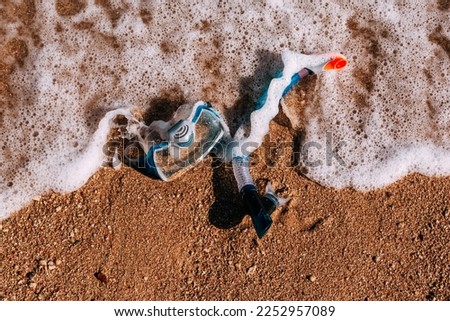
(335, 64)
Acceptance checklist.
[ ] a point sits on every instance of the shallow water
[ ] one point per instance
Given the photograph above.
(64, 64)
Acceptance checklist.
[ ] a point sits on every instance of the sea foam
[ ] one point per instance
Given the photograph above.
(65, 64)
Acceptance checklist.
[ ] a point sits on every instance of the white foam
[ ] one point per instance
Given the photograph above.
(260, 119)
(83, 66)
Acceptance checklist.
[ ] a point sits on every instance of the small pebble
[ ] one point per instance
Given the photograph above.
(311, 278)
(30, 274)
(32, 285)
(58, 262)
(101, 277)
(42, 262)
(37, 198)
(251, 270)
(51, 265)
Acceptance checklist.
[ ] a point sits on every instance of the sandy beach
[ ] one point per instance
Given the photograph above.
(124, 236)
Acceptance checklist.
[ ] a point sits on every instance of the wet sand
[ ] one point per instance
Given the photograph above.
(124, 236)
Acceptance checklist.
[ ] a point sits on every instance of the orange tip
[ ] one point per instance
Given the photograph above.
(336, 63)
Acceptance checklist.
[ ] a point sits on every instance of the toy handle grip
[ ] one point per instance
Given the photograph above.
(260, 216)
(259, 207)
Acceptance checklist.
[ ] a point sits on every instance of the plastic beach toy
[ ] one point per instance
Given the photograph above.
(296, 67)
(186, 139)
(196, 129)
